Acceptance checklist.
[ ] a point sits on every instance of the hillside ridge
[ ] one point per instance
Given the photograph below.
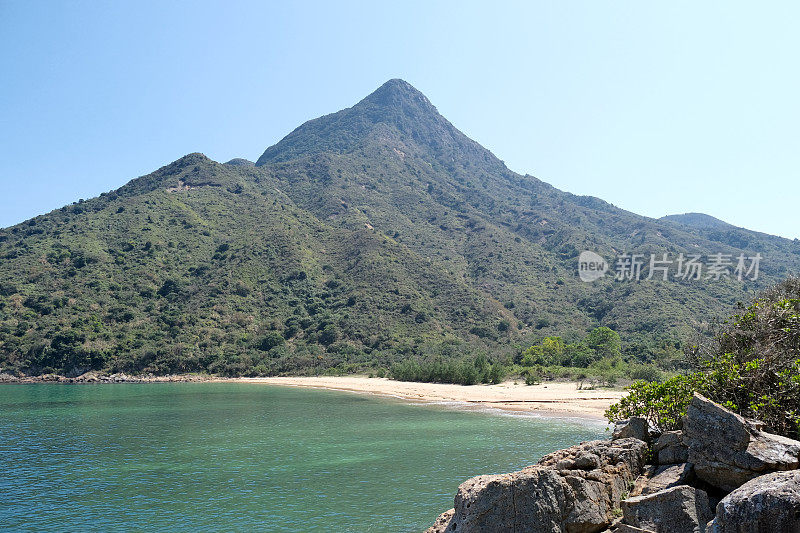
(372, 235)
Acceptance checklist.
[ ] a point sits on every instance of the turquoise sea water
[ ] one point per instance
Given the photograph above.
(241, 457)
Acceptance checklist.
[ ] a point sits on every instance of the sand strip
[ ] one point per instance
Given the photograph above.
(556, 399)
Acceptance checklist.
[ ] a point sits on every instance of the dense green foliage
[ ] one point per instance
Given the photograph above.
(372, 236)
(662, 404)
(601, 343)
(462, 372)
(752, 367)
(596, 359)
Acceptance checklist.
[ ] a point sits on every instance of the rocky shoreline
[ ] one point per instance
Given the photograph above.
(721, 474)
(97, 377)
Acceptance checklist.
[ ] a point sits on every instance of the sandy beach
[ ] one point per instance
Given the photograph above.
(556, 399)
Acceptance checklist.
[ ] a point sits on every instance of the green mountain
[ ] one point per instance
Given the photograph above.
(698, 220)
(376, 234)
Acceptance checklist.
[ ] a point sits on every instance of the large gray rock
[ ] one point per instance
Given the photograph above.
(441, 523)
(766, 504)
(658, 478)
(633, 428)
(88, 377)
(681, 509)
(575, 490)
(669, 448)
(728, 450)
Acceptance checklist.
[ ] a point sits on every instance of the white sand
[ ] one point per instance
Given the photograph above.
(548, 399)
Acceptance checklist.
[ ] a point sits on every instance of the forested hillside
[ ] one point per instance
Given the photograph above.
(373, 235)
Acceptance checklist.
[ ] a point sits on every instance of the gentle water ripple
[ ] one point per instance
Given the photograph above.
(232, 457)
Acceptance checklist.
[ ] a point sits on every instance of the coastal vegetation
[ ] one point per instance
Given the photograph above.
(595, 360)
(751, 366)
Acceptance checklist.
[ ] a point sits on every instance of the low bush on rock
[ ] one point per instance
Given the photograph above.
(662, 404)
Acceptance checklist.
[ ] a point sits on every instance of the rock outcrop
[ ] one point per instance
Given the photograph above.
(576, 490)
(669, 448)
(766, 504)
(681, 509)
(658, 478)
(633, 428)
(93, 377)
(605, 485)
(442, 522)
(728, 450)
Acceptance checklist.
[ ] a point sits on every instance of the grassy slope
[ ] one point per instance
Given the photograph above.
(364, 237)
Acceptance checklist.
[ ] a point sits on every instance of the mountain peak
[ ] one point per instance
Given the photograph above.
(397, 93)
(240, 162)
(396, 106)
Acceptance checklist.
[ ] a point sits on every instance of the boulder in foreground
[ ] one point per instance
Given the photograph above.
(727, 450)
(669, 448)
(577, 490)
(681, 509)
(767, 504)
(605, 485)
(635, 427)
(658, 478)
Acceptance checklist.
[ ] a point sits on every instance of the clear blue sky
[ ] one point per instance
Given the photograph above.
(658, 108)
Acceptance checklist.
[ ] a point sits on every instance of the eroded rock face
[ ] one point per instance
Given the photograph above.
(574, 490)
(669, 448)
(727, 450)
(440, 526)
(658, 478)
(681, 509)
(766, 504)
(632, 428)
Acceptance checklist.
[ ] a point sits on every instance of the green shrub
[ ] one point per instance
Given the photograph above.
(270, 340)
(460, 372)
(645, 373)
(531, 378)
(605, 341)
(753, 365)
(580, 355)
(601, 343)
(662, 404)
(329, 335)
(759, 388)
(533, 356)
(497, 373)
